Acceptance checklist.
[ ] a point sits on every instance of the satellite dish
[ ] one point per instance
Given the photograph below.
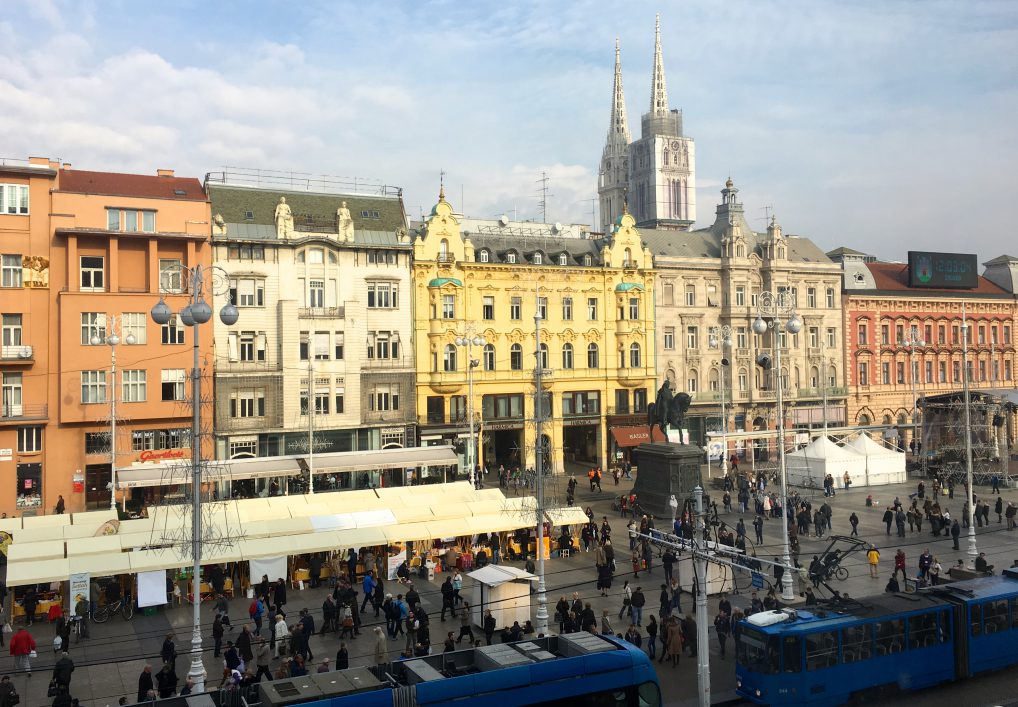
(503, 220)
(557, 228)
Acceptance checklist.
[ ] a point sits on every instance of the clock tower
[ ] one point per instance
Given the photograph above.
(662, 173)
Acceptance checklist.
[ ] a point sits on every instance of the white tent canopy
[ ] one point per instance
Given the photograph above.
(820, 458)
(883, 465)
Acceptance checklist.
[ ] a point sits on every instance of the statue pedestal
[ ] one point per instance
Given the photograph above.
(666, 468)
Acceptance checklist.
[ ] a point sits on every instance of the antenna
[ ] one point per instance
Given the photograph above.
(593, 207)
(542, 190)
(767, 212)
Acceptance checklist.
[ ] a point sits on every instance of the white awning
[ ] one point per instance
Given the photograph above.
(494, 575)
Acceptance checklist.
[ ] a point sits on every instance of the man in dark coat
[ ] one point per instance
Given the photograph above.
(167, 681)
(62, 672)
(145, 683)
(280, 596)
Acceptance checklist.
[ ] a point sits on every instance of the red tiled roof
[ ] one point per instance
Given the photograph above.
(894, 276)
(136, 185)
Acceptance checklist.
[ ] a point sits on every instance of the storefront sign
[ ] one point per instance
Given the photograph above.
(394, 562)
(6, 454)
(499, 426)
(154, 455)
(578, 421)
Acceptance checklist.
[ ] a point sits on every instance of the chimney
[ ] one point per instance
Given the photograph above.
(164, 172)
(66, 166)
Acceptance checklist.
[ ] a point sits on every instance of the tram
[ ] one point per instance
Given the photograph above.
(830, 654)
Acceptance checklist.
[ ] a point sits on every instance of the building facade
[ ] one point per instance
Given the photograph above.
(95, 250)
(657, 172)
(595, 299)
(712, 278)
(904, 342)
(323, 343)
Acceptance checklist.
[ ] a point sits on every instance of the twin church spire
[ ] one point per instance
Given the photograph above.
(655, 172)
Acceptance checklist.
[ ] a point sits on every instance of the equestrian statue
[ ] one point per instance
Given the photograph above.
(667, 410)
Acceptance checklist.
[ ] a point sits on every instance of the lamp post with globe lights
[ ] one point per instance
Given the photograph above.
(720, 337)
(199, 282)
(472, 363)
(776, 312)
(112, 339)
(912, 339)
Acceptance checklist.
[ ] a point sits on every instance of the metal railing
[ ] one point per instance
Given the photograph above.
(24, 412)
(17, 353)
(322, 312)
(397, 362)
(300, 181)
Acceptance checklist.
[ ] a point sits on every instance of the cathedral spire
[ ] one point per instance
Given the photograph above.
(658, 89)
(619, 126)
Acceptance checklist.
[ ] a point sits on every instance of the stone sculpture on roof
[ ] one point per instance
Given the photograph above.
(218, 225)
(284, 219)
(344, 224)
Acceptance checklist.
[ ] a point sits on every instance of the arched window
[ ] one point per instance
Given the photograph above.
(538, 259)
(489, 357)
(516, 357)
(864, 419)
(887, 419)
(627, 258)
(832, 377)
(544, 355)
(482, 257)
(714, 379)
(814, 377)
(510, 257)
(563, 259)
(743, 380)
(740, 251)
(587, 260)
(634, 356)
(567, 356)
(692, 381)
(592, 356)
(449, 358)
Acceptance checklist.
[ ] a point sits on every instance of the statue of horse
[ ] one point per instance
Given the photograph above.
(667, 410)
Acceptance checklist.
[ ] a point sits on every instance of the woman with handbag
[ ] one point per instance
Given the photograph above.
(23, 650)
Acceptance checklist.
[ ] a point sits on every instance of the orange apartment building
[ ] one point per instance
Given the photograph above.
(94, 248)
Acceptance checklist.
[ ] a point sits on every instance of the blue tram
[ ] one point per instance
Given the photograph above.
(572, 670)
(907, 641)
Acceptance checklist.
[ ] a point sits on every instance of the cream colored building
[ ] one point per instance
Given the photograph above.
(324, 335)
(710, 278)
(596, 299)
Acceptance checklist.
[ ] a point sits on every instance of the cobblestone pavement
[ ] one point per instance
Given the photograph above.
(108, 664)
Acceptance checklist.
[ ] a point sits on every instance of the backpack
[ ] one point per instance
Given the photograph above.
(253, 608)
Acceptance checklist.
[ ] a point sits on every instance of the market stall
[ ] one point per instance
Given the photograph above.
(505, 591)
(883, 465)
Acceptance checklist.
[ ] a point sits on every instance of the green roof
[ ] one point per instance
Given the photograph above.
(369, 213)
(439, 281)
(627, 286)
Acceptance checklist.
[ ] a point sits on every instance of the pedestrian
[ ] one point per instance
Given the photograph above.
(888, 519)
(652, 637)
(22, 647)
(279, 596)
(1010, 513)
(899, 564)
(60, 505)
(381, 647)
(489, 626)
(723, 627)
(343, 654)
(955, 533)
(627, 600)
(466, 620)
(447, 597)
(217, 635)
(758, 526)
(62, 672)
(606, 627)
(998, 508)
(282, 633)
(145, 683)
(873, 558)
(638, 602)
(8, 694)
(262, 659)
(166, 681)
(674, 641)
(689, 634)
(854, 520)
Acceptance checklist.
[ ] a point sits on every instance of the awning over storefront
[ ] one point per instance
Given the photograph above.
(633, 436)
(179, 472)
(570, 515)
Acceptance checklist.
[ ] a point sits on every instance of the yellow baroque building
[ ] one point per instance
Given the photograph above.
(595, 299)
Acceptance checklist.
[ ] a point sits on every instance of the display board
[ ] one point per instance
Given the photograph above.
(942, 270)
(152, 588)
(273, 567)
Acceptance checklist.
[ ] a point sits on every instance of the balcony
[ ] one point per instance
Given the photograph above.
(374, 364)
(633, 377)
(23, 412)
(17, 354)
(445, 259)
(832, 392)
(322, 312)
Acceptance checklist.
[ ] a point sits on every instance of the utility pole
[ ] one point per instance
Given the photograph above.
(973, 553)
(542, 190)
(540, 452)
(700, 575)
(311, 420)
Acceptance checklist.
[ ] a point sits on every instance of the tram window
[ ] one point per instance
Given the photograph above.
(791, 654)
(995, 616)
(890, 636)
(976, 619)
(821, 650)
(1014, 612)
(856, 643)
(945, 626)
(922, 630)
(757, 652)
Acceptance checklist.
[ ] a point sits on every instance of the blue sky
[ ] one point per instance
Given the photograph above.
(880, 125)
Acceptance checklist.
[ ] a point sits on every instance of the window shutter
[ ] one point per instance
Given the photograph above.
(232, 346)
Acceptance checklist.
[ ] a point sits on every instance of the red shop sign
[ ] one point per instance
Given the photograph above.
(154, 455)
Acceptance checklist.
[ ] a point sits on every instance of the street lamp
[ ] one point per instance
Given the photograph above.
(472, 363)
(112, 339)
(197, 282)
(912, 339)
(973, 553)
(776, 311)
(721, 337)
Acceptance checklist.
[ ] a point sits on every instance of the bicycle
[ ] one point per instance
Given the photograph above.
(78, 628)
(124, 605)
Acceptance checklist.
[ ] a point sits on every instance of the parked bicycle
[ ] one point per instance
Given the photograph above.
(103, 613)
(78, 628)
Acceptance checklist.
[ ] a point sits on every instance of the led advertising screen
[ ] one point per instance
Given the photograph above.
(942, 270)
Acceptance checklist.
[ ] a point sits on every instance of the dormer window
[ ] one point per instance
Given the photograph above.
(586, 260)
(563, 259)
(482, 257)
(510, 257)
(537, 259)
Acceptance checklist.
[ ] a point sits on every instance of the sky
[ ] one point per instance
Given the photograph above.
(884, 126)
